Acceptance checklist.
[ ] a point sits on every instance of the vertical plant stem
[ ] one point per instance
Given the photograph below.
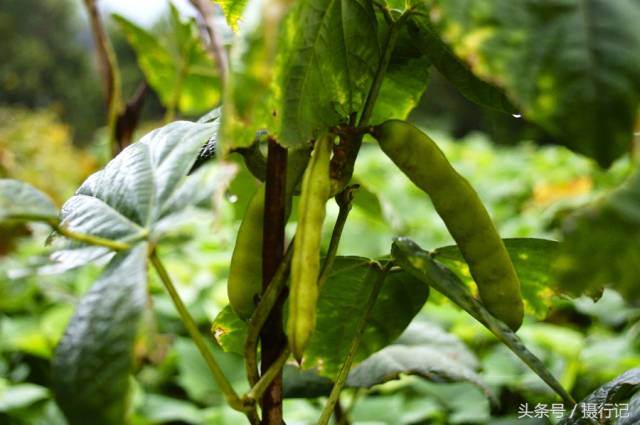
(222, 381)
(273, 339)
(110, 72)
(265, 380)
(215, 46)
(343, 199)
(346, 365)
(269, 298)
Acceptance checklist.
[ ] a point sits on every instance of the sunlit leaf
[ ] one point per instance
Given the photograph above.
(532, 259)
(179, 69)
(139, 190)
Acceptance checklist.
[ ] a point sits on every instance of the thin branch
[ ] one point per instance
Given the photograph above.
(265, 380)
(109, 69)
(344, 200)
(91, 239)
(215, 45)
(230, 394)
(346, 365)
(269, 298)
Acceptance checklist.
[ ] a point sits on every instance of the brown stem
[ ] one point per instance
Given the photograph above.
(127, 121)
(215, 45)
(108, 68)
(273, 339)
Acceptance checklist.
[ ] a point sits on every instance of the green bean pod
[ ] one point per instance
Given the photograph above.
(244, 285)
(305, 264)
(463, 213)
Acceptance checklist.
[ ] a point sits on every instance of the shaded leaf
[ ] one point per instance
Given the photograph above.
(19, 200)
(426, 351)
(618, 390)
(532, 259)
(300, 383)
(179, 68)
(566, 64)
(90, 370)
(342, 301)
(329, 68)
(601, 244)
(423, 266)
(404, 82)
(454, 69)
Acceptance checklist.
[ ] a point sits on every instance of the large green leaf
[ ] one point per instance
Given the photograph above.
(21, 201)
(342, 301)
(607, 397)
(249, 95)
(329, 68)
(90, 370)
(532, 259)
(177, 67)
(425, 267)
(454, 69)
(230, 331)
(424, 350)
(140, 190)
(601, 245)
(569, 65)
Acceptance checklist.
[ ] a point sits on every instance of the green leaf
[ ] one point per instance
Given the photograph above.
(424, 350)
(618, 390)
(249, 95)
(454, 69)
(422, 265)
(230, 331)
(601, 244)
(566, 64)
(328, 71)
(160, 409)
(90, 369)
(139, 191)
(232, 10)
(532, 259)
(178, 67)
(21, 395)
(19, 200)
(404, 82)
(342, 301)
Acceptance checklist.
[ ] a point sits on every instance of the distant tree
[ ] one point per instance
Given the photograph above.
(45, 61)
